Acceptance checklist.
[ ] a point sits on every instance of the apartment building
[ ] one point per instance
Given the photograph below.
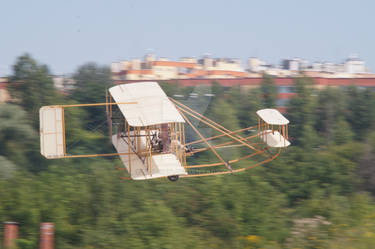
(152, 68)
(187, 67)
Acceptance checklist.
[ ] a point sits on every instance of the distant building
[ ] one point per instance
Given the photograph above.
(317, 66)
(153, 68)
(4, 94)
(354, 65)
(187, 67)
(227, 65)
(206, 62)
(63, 83)
(256, 65)
(295, 64)
(329, 67)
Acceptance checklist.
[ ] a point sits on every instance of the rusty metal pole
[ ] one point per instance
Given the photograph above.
(46, 235)
(10, 234)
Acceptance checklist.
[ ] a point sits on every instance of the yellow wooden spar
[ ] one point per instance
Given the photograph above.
(150, 138)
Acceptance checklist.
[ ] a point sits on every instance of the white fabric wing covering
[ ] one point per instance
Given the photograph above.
(272, 117)
(274, 139)
(51, 132)
(153, 106)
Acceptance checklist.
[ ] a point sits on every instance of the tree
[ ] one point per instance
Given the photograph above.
(300, 112)
(91, 83)
(269, 91)
(32, 86)
(360, 110)
(366, 165)
(225, 114)
(330, 109)
(250, 103)
(341, 132)
(217, 88)
(16, 134)
(7, 168)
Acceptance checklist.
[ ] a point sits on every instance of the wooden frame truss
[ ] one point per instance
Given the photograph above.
(140, 140)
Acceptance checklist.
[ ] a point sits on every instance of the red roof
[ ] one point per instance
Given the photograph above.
(143, 71)
(174, 64)
(226, 72)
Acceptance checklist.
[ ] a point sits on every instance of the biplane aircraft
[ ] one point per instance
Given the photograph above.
(150, 138)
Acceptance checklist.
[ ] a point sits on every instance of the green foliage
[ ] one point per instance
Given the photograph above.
(32, 86)
(269, 91)
(249, 104)
(224, 113)
(313, 196)
(91, 84)
(25, 244)
(366, 163)
(7, 168)
(14, 128)
(341, 132)
(330, 108)
(361, 110)
(301, 114)
(217, 89)
(19, 142)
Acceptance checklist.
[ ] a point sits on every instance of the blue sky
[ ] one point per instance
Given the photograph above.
(66, 34)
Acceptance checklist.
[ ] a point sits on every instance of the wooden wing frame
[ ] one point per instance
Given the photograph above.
(53, 134)
(254, 148)
(257, 144)
(270, 133)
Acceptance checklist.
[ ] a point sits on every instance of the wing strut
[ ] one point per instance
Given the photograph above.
(200, 135)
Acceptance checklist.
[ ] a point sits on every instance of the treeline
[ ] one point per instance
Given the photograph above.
(317, 194)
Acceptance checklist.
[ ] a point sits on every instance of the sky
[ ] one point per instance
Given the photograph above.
(66, 34)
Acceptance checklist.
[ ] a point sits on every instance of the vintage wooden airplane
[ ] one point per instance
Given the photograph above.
(150, 137)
